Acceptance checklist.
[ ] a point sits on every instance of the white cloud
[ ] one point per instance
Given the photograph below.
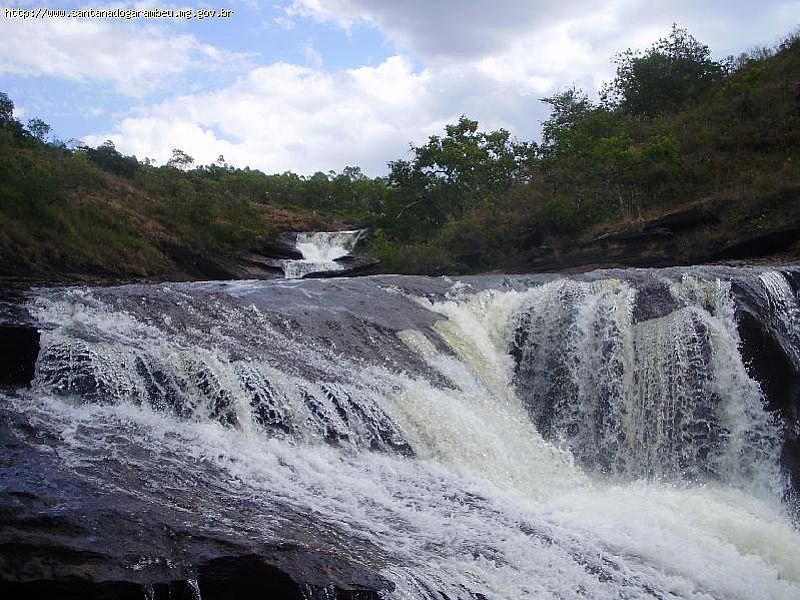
(283, 117)
(283, 22)
(134, 60)
(455, 30)
(491, 61)
(312, 56)
(538, 46)
(444, 29)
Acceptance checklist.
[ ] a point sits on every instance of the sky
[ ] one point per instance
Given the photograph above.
(316, 85)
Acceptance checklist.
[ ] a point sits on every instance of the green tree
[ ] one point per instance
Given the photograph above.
(452, 174)
(6, 109)
(674, 71)
(108, 158)
(317, 192)
(567, 109)
(180, 160)
(569, 137)
(7, 120)
(38, 129)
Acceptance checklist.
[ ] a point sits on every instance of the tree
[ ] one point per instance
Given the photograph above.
(38, 129)
(453, 174)
(7, 120)
(317, 191)
(353, 173)
(568, 109)
(569, 137)
(674, 71)
(6, 109)
(108, 158)
(180, 160)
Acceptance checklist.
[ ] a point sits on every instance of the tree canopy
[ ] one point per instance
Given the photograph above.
(107, 157)
(6, 109)
(674, 71)
(452, 174)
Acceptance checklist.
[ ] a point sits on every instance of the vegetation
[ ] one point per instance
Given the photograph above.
(674, 72)
(96, 212)
(675, 130)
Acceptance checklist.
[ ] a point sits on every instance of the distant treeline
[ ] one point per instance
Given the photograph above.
(674, 126)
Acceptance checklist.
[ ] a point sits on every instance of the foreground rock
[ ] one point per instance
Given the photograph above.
(65, 537)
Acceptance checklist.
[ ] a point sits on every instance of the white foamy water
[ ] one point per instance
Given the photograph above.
(668, 397)
(653, 473)
(320, 251)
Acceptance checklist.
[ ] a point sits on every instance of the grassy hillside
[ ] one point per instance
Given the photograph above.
(64, 217)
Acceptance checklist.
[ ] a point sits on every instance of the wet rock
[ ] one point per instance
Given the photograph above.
(351, 265)
(200, 265)
(768, 364)
(63, 535)
(653, 300)
(282, 246)
(19, 347)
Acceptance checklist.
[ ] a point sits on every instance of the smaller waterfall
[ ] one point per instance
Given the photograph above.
(321, 250)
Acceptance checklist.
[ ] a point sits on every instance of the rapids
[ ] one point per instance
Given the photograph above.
(595, 436)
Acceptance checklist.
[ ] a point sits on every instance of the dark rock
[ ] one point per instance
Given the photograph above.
(266, 262)
(257, 266)
(357, 264)
(19, 347)
(281, 246)
(74, 590)
(65, 535)
(659, 228)
(630, 237)
(199, 265)
(681, 220)
(653, 300)
(761, 245)
(768, 364)
(240, 577)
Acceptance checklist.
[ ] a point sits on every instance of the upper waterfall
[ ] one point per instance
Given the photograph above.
(320, 250)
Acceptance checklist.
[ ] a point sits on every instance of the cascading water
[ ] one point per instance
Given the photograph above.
(493, 437)
(320, 250)
(667, 397)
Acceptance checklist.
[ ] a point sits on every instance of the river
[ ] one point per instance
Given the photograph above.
(617, 434)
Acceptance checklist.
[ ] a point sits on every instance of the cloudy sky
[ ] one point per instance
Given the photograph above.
(315, 85)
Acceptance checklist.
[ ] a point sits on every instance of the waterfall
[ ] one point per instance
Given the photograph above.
(493, 437)
(667, 397)
(320, 250)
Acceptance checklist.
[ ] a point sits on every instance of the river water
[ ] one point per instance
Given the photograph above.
(596, 436)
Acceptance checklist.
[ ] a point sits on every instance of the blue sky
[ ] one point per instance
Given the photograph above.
(308, 85)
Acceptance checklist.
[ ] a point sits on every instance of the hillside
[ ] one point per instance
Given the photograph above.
(683, 160)
(65, 218)
(731, 187)
(713, 175)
